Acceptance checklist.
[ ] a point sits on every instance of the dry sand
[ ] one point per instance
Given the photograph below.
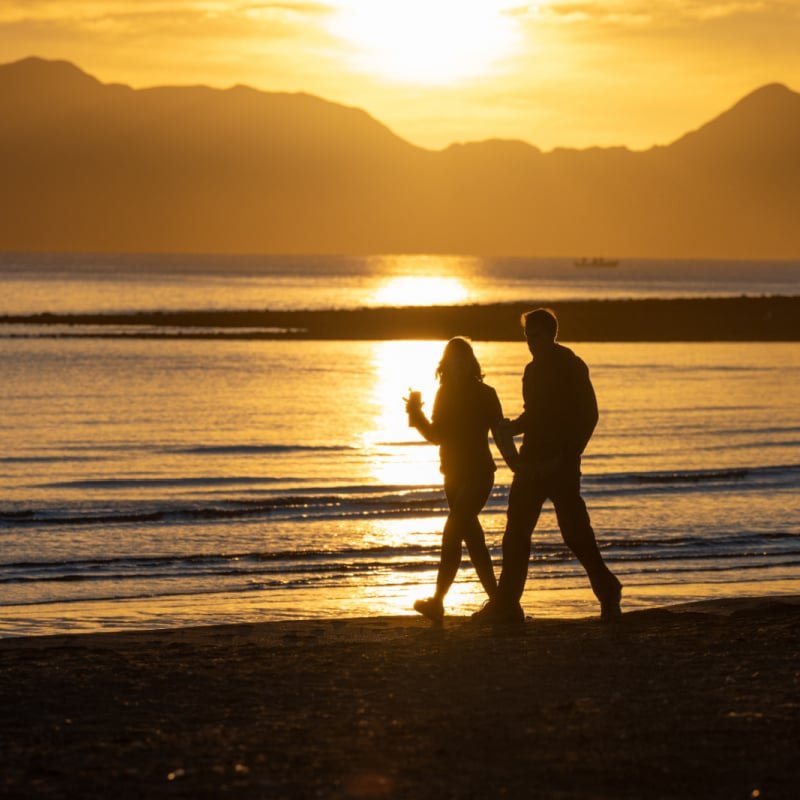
(689, 702)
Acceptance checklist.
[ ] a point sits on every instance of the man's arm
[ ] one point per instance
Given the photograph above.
(517, 425)
(586, 413)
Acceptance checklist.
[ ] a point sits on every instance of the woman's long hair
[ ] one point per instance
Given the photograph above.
(458, 362)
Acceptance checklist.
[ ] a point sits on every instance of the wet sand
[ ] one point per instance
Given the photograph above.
(697, 701)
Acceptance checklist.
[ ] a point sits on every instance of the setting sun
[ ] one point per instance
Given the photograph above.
(417, 41)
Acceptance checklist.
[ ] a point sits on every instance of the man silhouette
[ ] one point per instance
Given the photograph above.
(560, 414)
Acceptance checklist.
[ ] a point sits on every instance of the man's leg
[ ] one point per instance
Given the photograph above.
(576, 529)
(525, 500)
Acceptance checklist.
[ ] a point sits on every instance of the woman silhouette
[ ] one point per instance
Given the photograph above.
(464, 411)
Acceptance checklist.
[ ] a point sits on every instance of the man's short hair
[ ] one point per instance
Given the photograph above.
(543, 319)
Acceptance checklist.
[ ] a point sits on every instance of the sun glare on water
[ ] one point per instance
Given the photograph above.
(426, 41)
(398, 366)
(415, 290)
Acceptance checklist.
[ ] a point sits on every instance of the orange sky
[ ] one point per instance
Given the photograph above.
(552, 73)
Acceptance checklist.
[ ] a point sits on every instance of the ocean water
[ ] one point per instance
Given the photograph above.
(153, 483)
(32, 283)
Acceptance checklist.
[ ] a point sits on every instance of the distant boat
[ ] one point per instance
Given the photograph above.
(596, 262)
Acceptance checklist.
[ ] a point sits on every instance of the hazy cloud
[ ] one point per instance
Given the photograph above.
(189, 17)
(660, 13)
(299, 8)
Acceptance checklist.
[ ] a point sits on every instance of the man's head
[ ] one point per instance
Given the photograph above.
(541, 327)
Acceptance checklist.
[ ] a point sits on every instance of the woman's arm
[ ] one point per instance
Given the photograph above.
(504, 440)
(503, 432)
(417, 419)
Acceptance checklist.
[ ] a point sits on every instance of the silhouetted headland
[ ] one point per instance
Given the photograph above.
(693, 319)
(93, 167)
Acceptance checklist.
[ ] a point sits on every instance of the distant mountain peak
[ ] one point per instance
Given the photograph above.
(768, 98)
(771, 112)
(51, 83)
(35, 68)
(770, 90)
(42, 83)
(498, 148)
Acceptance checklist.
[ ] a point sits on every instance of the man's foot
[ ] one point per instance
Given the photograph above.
(431, 608)
(496, 613)
(610, 610)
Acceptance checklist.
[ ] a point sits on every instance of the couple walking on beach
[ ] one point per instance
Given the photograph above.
(559, 416)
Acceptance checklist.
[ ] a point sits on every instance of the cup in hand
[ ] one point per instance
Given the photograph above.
(413, 405)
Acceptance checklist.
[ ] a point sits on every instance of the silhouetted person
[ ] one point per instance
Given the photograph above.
(464, 411)
(560, 414)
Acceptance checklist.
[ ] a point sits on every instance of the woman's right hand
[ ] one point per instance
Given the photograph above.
(413, 402)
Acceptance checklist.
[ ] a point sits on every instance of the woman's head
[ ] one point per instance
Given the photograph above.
(459, 361)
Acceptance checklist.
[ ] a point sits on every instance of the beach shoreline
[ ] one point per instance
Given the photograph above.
(696, 700)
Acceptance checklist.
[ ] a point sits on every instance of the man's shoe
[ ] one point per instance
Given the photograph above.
(484, 613)
(496, 613)
(610, 610)
(431, 608)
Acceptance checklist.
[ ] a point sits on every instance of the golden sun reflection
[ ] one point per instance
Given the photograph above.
(415, 290)
(397, 599)
(419, 41)
(401, 457)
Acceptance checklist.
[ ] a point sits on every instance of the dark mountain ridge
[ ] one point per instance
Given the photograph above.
(102, 167)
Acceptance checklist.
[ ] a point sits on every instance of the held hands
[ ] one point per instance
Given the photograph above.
(504, 439)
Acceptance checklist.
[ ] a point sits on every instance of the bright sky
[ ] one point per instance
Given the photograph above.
(553, 73)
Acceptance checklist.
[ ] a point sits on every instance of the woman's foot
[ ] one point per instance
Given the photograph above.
(431, 608)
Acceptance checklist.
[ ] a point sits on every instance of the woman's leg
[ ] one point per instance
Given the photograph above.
(466, 500)
(481, 560)
(450, 559)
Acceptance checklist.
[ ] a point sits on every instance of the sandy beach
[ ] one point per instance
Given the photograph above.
(694, 701)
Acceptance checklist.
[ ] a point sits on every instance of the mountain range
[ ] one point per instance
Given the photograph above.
(95, 167)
